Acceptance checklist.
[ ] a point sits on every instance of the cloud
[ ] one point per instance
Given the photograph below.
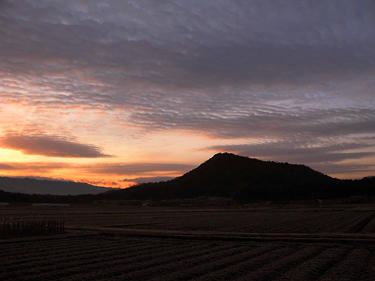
(325, 157)
(298, 152)
(264, 121)
(51, 146)
(182, 45)
(220, 59)
(137, 168)
(5, 167)
(38, 167)
(353, 170)
(268, 69)
(102, 168)
(147, 179)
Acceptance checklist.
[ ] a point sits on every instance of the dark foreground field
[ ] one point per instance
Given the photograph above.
(258, 243)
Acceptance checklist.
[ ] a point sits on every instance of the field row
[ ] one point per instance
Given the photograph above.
(262, 222)
(123, 258)
(273, 220)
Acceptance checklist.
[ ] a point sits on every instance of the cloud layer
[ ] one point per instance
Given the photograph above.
(105, 168)
(300, 153)
(297, 74)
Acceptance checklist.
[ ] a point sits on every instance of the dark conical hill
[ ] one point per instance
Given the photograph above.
(242, 178)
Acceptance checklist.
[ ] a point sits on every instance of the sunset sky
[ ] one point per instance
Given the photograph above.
(115, 92)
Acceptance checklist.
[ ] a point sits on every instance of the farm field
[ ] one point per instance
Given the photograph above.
(284, 219)
(103, 257)
(88, 252)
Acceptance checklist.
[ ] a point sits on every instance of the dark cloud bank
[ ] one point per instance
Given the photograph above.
(296, 73)
(52, 146)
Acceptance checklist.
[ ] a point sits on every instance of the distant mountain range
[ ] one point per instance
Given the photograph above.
(53, 187)
(224, 175)
(247, 179)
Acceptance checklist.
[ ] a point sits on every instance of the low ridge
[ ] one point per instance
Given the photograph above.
(52, 187)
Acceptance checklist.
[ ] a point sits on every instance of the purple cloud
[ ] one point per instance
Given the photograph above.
(51, 146)
(147, 179)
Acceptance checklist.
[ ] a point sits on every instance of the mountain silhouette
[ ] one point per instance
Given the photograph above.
(224, 175)
(238, 177)
(52, 187)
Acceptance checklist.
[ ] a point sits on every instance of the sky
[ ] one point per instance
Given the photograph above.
(115, 92)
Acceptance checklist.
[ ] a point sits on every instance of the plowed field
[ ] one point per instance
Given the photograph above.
(195, 244)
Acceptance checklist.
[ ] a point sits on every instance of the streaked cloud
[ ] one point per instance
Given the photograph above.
(104, 168)
(138, 168)
(325, 157)
(105, 174)
(147, 179)
(300, 153)
(33, 167)
(51, 146)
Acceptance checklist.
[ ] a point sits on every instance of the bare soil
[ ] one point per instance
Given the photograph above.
(291, 242)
